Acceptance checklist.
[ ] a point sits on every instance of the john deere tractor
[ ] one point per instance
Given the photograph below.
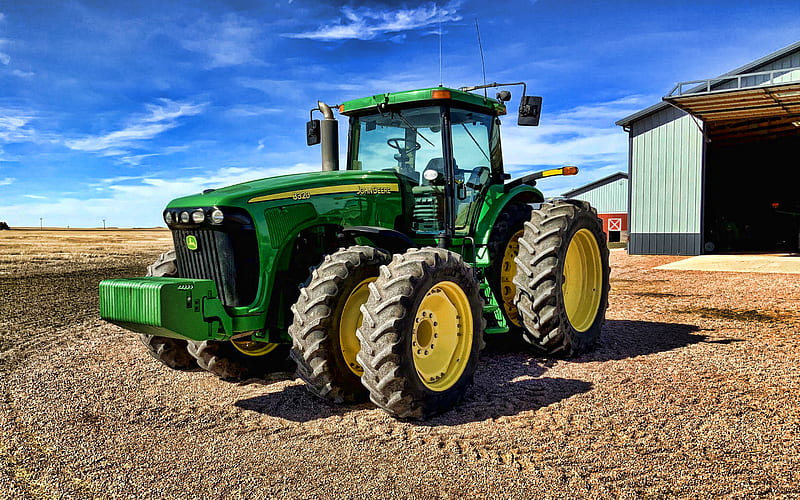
(381, 278)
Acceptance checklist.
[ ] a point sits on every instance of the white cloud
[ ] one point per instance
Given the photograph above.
(229, 42)
(245, 111)
(23, 74)
(161, 118)
(35, 196)
(14, 125)
(135, 160)
(364, 23)
(6, 181)
(133, 201)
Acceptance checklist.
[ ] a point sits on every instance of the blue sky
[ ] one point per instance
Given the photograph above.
(110, 109)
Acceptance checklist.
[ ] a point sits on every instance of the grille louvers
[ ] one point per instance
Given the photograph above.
(228, 258)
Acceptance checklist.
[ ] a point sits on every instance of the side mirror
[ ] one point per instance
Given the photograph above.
(312, 132)
(530, 108)
(478, 178)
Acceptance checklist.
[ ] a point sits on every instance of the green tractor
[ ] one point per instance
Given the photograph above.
(381, 279)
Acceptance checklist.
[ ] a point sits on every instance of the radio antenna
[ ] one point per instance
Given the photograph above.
(441, 74)
(483, 63)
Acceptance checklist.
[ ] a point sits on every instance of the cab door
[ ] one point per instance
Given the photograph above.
(470, 136)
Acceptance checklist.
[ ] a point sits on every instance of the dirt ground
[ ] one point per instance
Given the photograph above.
(692, 392)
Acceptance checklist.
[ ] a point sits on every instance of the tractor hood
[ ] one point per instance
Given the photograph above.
(293, 187)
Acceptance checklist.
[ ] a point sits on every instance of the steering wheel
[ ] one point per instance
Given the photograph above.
(394, 143)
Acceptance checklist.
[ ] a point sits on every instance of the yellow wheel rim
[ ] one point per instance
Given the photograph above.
(442, 336)
(583, 280)
(253, 348)
(508, 269)
(350, 321)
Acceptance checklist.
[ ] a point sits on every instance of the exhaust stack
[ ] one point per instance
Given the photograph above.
(329, 138)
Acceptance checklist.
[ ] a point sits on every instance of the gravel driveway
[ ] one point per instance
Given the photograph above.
(693, 391)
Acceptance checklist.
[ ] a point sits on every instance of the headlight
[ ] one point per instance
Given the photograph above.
(185, 217)
(217, 216)
(168, 217)
(198, 216)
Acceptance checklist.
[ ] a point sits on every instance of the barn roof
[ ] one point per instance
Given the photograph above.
(769, 58)
(596, 184)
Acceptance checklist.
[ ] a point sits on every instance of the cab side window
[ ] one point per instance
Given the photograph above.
(471, 154)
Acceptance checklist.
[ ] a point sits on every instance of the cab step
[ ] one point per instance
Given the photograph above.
(496, 329)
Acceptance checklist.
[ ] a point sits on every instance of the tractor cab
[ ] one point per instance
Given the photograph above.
(445, 157)
(443, 144)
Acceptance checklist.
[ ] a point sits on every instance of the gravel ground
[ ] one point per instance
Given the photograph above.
(692, 392)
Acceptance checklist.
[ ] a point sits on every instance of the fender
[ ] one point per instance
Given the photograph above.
(388, 239)
(496, 199)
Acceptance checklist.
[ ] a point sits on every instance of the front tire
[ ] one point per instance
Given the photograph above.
(171, 352)
(562, 277)
(326, 316)
(239, 359)
(422, 333)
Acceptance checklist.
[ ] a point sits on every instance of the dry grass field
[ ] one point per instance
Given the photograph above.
(48, 279)
(693, 391)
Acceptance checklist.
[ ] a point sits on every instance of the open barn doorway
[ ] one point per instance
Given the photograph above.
(752, 194)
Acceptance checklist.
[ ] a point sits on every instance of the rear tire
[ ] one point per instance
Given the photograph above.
(503, 249)
(326, 316)
(422, 333)
(562, 277)
(171, 352)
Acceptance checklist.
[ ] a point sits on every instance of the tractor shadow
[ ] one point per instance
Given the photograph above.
(624, 339)
(509, 379)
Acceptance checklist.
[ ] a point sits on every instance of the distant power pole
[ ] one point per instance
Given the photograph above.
(41, 222)
(104, 224)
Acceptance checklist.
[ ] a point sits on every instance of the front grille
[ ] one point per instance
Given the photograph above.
(228, 256)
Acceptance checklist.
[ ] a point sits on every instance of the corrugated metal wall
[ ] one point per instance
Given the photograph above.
(666, 168)
(611, 198)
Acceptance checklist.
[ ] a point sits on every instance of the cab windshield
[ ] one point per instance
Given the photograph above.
(409, 142)
(401, 141)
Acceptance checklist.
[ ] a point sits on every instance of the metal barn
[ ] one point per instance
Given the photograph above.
(609, 196)
(714, 166)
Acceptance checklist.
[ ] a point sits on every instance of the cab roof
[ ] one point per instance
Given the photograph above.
(420, 97)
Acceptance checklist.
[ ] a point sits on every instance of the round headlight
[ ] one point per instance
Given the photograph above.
(168, 217)
(185, 217)
(198, 216)
(217, 216)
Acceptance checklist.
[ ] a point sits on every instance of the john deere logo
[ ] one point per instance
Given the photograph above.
(191, 242)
